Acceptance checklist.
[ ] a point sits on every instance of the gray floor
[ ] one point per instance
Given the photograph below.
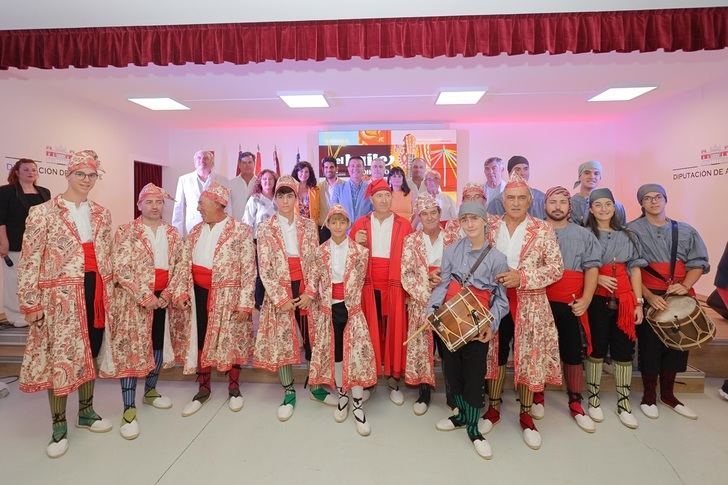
(218, 446)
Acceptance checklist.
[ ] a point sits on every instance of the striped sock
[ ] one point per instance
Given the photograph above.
(470, 415)
(234, 381)
(495, 388)
(623, 380)
(128, 391)
(58, 415)
(86, 414)
(460, 418)
(285, 374)
(593, 379)
(153, 376)
(525, 395)
(649, 385)
(574, 380)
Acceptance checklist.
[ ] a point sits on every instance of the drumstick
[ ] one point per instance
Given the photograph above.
(416, 333)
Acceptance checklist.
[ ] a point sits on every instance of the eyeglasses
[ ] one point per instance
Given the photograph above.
(653, 198)
(83, 175)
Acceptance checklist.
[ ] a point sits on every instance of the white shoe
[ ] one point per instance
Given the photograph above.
(685, 411)
(483, 449)
(342, 409)
(596, 414)
(446, 424)
(191, 408)
(485, 425)
(532, 438)
(57, 450)
(362, 425)
(285, 411)
(22, 324)
(537, 411)
(585, 422)
(396, 396)
(162, 402)
(419, 408)
(99, 426)
(235, 403)
(367, 394)
(723, 394)
(650, 410)
(628, 419)
(129, 431)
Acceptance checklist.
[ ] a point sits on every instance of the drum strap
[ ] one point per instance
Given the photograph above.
(481, 257)
(673, 258)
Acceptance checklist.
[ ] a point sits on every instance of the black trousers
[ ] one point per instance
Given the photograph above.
(506, 331)
(302, 321)
(259, 288)
(339, 318)
(606, 336)
(201, 295)
(653, 355)
(568, 325)
(464, 372)
(158, 326)
(95, 335)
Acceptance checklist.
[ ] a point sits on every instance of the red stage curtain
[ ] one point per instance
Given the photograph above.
(143, 174)
(555, 33)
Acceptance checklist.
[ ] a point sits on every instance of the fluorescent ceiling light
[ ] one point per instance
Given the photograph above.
(159, 104)
(304, 100)
(622, 94)
(460, 97)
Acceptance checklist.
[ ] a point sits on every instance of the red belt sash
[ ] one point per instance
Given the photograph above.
(295, 271)
(569, 287)
(512, 295)
(90, 265)
(625, 295)
(161, 279)
(430, 269)
(337, 291)
(656, 284)
(202, 276)
(483, 296)
(380, 281)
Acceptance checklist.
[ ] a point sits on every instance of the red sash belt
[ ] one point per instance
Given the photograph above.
(161, 279)
(90, 265)
(512, 295)
(625, 295)
(380, 279)
(654, 283)
(571, 286)
(430, 269)
(337, 292)
(202, 276)
(483, 296)
(295, 270)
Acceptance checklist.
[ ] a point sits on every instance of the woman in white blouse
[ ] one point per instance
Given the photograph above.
(260, 206)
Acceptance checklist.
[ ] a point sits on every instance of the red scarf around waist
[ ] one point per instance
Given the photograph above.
(161, 279)
(295, 272)
(90, 265)
(202, 276)
(337, 291)
(566, 290)
(512, 295)
(483, 296)
(625, 295)
(380, 281)
(656, 284)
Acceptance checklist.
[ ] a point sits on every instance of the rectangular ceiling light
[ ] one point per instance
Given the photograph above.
(460, 97)
(622, 94)
(159, 104)
(304, 100)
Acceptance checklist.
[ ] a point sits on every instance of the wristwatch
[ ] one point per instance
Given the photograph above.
(641, 301)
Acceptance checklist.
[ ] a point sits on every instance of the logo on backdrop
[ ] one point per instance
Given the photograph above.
(55, 161)
(713, 162)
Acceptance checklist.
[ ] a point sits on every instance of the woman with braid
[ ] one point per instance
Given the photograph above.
(287, 246)
(616, 307)
(64, 287)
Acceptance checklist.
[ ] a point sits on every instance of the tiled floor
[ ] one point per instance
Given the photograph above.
(252, 447)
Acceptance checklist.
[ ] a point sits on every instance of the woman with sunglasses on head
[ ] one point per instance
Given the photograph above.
(16, 198)
(64, 285)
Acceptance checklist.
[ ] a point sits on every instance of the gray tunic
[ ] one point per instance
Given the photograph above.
(580, 210)
(579, 248)
(537, 210)
(457, 259)
(656, 243)
(618, 247)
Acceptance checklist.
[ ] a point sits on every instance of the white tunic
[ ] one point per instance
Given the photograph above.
(81, 217)
(339, 253)
(434, 250)
(511, 245)
(290, 238)
(381, 236)
(204, 251)
(240, 192)
(160, 246)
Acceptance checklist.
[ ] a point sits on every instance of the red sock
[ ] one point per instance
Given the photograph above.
(667, 388)
(492, 414)
(527, 422)
(539, 398)
(649, 382)
(203, 374)
(233, 378)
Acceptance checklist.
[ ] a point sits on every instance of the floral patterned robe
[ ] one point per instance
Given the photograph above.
(50, 278)
(359, 364)
(536, 342)
(277, 343)
(419, 365)
(227, 342)
(131, 336)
